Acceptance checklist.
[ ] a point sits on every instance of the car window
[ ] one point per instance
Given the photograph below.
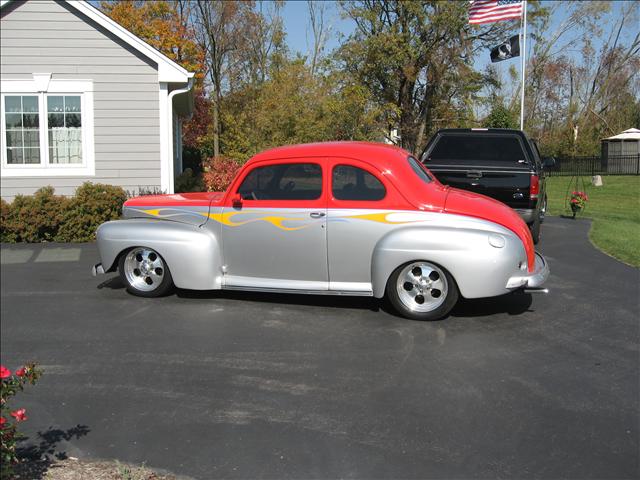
(477, 150)
(287, 181)
(420, 171)
(353, 183)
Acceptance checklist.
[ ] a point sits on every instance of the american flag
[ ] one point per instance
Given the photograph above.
(489, 11)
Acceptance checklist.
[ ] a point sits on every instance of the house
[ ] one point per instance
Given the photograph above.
(83, 99)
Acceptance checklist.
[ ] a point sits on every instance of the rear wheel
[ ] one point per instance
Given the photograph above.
(145, 273)
(422, 290)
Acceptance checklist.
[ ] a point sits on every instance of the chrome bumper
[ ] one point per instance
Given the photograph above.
(97, 269)
(532, 280)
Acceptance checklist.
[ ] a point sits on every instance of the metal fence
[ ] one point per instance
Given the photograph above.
(588, 166)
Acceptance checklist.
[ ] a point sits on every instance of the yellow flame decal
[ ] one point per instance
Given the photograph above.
(154, 212)
(226, 219)
(380, 217)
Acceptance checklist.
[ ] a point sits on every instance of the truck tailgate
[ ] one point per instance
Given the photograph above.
(510, 186)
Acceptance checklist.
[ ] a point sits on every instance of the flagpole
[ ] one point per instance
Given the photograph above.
(523, 54)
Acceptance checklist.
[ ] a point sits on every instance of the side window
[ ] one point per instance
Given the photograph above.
(353, 183)
(289, 181)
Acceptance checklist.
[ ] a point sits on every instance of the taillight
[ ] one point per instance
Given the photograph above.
(534, 187)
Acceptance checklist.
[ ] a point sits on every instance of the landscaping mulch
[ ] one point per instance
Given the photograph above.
(75, 469)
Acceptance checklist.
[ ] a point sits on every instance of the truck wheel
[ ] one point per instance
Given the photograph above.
(535, 230)
(421, 290)
(145, 273)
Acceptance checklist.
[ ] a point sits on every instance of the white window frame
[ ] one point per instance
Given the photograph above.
(43, 86)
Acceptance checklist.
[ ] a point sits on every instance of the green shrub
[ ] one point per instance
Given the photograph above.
(92, 205)
(45, 217)
(33, 218)
(6, 234)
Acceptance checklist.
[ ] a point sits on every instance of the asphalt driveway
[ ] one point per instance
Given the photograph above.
(215, 385)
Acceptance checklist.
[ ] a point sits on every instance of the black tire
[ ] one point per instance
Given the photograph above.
(162, 288)
(535, 230)
(441, 311)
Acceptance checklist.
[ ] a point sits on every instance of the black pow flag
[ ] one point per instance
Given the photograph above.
(506, 50)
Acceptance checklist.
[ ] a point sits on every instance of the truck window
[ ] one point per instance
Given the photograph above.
(491, 150)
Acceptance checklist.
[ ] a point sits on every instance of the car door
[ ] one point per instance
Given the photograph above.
(275, 238)
(358, 198)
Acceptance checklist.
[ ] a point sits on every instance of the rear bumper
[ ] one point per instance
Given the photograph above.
(527, 214)
(532, 280)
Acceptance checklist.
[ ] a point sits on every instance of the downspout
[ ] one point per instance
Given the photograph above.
(170, 115)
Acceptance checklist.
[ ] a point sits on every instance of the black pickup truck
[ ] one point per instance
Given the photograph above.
(499, 163)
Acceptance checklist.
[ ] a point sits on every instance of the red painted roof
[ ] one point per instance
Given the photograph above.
(359, 150)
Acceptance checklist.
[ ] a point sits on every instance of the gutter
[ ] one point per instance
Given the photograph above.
(170, 120)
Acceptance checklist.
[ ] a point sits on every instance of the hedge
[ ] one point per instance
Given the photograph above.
(46, 217)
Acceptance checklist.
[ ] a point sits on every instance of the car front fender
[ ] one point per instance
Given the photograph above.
(192, 253)
(479, 268)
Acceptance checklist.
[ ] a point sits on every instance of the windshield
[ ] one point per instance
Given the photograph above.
(420, 170)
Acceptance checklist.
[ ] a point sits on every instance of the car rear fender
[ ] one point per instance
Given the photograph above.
(192, 253)
(479, 268)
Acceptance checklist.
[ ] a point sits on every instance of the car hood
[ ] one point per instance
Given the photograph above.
(461, 202)
(195, 199)
(190, 208)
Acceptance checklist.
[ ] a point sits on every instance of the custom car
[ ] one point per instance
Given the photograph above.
(339, 218)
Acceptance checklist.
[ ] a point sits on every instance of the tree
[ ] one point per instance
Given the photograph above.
(164, 25)
(500, 117)
(416, 60)
(218, 30)
(319, 30)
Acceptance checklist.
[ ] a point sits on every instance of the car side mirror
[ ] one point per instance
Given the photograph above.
(236, 201)
(548, 162)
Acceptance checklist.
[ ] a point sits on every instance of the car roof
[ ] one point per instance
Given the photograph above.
(380, 152)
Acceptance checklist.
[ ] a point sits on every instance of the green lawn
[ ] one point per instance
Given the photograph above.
(614, 208)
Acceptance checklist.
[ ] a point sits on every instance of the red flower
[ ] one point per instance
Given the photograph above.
(21, 371)
(2, 421)
(19, 415)
(4, 372)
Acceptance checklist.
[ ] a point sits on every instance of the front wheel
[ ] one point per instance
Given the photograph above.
(421, 290)
(145, 273)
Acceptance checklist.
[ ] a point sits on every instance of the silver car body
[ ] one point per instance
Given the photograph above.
(342, 252)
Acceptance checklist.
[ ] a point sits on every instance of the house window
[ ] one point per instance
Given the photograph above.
(22, 123)
(47, 129)
(64, 128)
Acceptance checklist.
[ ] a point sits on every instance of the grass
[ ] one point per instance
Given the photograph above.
(614, 209)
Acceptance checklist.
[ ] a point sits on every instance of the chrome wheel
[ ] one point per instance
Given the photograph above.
(144, 269)
(422, 287)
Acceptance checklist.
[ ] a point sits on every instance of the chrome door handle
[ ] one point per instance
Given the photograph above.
(317, 214)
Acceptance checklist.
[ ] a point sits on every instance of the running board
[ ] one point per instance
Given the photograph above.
(298, 291)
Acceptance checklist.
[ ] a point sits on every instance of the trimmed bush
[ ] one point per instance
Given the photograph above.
(92, 205)
(219, 172)
(33, 218)
(46, 217)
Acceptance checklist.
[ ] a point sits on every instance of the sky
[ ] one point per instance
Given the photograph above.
(295, 16)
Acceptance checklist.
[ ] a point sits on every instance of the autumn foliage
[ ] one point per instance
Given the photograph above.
(219, 172)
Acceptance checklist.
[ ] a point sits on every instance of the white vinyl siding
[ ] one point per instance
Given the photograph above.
(51, 37)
